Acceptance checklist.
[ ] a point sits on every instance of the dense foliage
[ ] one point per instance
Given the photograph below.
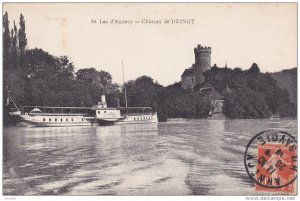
(34, 77)
(287, 79)
(179, 103)
(253, 94)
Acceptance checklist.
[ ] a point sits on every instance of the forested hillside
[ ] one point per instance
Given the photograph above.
(287, 79)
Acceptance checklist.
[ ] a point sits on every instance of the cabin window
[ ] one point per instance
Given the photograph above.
(49, 119)
(55, 120)
(98, 112)
(43, 119)
(66, 119)
(81, 119)
(104, 111)
(61, 119)
(72, 119)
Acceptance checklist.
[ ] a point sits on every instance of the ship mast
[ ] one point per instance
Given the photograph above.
(124, 86)
(12, 101)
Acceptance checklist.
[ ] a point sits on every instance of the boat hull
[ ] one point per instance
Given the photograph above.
(39, 124)
(139, 119)
(56, 121)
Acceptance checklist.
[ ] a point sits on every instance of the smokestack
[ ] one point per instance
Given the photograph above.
(103, 100)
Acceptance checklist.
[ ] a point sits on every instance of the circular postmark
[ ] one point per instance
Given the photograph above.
(270, 159)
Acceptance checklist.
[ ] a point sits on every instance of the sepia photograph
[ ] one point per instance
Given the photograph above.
(149, 99)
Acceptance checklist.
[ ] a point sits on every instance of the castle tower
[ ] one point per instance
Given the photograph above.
(194, 75)
(202, 57)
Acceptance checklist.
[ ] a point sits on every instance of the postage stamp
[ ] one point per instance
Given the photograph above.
(271, 161)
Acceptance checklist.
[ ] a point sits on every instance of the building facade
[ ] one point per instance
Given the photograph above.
(194, 75)
(208, 92)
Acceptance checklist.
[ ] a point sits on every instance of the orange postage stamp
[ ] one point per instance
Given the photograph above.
(274, 166)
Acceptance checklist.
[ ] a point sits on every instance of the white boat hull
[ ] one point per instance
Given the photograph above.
(38, 124)
(69, 116)
(139, 119)
(56, 121)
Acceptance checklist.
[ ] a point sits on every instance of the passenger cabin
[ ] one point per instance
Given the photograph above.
(108, 113)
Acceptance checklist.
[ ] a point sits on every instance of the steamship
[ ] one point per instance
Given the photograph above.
(83, 116)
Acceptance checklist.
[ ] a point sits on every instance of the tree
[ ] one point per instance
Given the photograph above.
(143, 92)
(22, 36)
(65, 67)
(254, 69)
(91, 84)
(14, 48)
(6, 42)
(181, 103)
(48, 80)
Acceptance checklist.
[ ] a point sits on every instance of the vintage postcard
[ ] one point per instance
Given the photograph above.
(149, 99)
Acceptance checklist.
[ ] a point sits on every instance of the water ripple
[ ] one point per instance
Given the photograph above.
(180, 157)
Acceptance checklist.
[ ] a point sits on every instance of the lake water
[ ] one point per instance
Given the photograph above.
(179, 157)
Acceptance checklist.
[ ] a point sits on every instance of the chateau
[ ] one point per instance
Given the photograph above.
(194, 75)
(193, 78)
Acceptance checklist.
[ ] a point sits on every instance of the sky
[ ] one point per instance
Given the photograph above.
(238, 33)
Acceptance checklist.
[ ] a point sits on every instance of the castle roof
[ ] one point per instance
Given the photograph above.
(188, 72)
(206, 89)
